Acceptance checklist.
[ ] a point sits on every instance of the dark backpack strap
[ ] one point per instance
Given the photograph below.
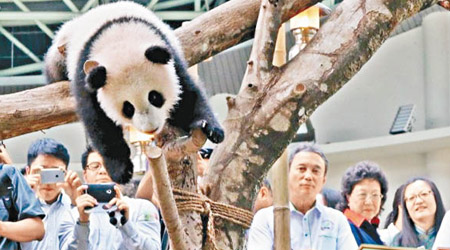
(6, 195)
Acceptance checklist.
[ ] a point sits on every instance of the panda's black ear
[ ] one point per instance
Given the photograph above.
(95, 75)
(157, 54)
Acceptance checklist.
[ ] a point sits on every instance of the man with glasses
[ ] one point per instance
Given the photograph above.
(313, 226)
(49, 154)
(137, 228)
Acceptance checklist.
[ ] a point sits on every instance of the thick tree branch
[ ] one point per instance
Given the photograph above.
(260, 61)
(181, 157)
(184, 235)
(36, 109)
(166, 200)
(207, 35)
(227, 25)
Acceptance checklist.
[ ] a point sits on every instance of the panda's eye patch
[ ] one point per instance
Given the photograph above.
(128, 109)
(156, 99)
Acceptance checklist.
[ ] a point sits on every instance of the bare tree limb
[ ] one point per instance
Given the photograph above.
(227, 25)
(181, 157)
(36, 109)
(260, 61)
(166, 200)
(187, 145)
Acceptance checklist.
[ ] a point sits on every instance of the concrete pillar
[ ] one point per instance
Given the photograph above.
(436, 37)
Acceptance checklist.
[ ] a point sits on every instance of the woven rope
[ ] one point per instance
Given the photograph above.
(188, 201)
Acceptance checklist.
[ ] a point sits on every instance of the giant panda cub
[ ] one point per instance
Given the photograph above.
(126, 67)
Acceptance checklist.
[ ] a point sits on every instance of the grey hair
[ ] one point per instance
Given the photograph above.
(307, 147)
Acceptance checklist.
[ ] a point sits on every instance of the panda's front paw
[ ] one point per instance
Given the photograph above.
(214, 134)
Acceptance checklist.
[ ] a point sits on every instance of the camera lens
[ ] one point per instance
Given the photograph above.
(57, 175)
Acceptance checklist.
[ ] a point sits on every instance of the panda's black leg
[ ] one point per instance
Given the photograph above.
(213, 133)
(193, 110)
(204, 119)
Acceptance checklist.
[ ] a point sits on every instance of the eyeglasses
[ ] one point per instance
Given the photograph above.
(363, 196)
(94, 166)
(423, 196)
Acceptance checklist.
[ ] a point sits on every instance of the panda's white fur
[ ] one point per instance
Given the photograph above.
(73, 36)
(141, 77)
(75, 33)
(117, 55)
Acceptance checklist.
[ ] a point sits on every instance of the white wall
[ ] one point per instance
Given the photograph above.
(70, 135)
(366, 106)
(410, 68)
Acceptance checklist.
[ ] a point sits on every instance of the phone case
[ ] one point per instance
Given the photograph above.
(102, 192)
(52, 176)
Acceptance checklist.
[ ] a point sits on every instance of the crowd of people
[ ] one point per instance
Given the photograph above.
(40, 214)
(323, 219)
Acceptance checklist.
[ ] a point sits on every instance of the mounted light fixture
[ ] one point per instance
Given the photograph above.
(305, 25)
(138, 141)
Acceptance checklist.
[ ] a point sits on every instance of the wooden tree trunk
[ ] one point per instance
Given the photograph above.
(268, 111)
(181, 161)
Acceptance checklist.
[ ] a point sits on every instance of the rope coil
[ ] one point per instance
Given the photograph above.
(189, 201)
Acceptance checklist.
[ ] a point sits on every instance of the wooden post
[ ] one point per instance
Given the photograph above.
(169, 209)
(280, 190)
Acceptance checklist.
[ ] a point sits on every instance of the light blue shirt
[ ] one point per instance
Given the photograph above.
(141, 231)
(58, 222)
(442, 238)
(321, 228)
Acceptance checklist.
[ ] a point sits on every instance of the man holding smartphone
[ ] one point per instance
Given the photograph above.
(48, 176)
(133, 225)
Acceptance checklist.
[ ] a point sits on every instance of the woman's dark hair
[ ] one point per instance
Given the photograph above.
(355, 174)
(332, 197)
(408, 236)
(393, 215)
